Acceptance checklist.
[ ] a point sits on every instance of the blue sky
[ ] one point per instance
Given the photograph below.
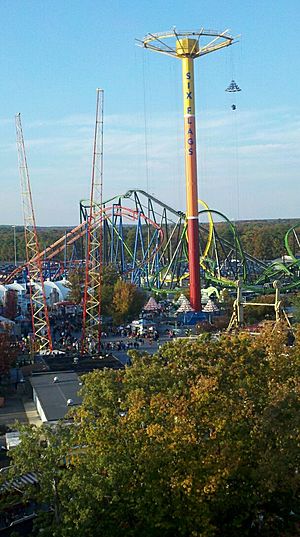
(55, 53)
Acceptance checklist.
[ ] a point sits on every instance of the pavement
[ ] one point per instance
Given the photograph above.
(18, 407)
(31, 412)
(123, 357)
(13, 410)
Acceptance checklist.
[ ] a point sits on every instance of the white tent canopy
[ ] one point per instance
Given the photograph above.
(16, 286)
(181, 299)
(210, 307)
(2, 291)
(59, 286)
(185, 307)
(151, 305)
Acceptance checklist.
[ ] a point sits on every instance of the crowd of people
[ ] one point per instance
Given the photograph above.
(66, 332)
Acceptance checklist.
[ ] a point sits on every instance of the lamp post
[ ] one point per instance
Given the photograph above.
(15, 245)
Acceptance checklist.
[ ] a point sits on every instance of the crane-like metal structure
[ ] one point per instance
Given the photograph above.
(187, 46)
(39, 311)
(91, 325)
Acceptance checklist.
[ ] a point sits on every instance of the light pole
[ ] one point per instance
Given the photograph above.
(15, 245)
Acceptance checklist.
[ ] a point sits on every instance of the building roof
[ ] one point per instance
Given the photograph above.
(54, 395)
(19, 482)
(79, 364)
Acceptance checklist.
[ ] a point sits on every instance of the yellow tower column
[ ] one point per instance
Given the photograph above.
(185, 48)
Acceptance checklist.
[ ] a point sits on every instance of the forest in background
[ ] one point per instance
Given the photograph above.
(263, 239)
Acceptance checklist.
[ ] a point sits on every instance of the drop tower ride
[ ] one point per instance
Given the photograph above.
(186, 46)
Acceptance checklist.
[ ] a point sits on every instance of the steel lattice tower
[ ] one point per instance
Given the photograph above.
(39, 310)
(91, 325)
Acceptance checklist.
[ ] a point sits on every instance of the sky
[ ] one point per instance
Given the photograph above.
(55, 53)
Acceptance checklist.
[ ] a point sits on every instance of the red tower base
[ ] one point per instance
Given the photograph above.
(194, 266)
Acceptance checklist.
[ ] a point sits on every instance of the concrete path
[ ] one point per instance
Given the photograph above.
(18, 407)
(31, 412)
(12, 410)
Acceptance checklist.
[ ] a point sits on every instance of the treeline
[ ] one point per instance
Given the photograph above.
(46, 236)
(263, 239)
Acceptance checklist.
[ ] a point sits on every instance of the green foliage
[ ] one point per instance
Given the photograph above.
(44, 451)
(119, 299)
(7, 353)
(184, 291)
(109, 278)
(263, 239)
(200, 439)
(110, 275)
(11, 304)
(162, 295)
(255, 314)
(295, 302)
(46, 237)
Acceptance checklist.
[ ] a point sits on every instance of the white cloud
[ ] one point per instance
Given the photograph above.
(241, 155)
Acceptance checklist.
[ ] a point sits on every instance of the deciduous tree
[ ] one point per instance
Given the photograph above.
(11, 304)
(7, 353)
(76, 285)
(128, 301)
(200, 439)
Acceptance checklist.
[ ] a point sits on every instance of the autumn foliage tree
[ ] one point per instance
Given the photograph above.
(11, 304)
(128, 301)
(108, 280)
(76, 285)
(7, 353)
(200, 439)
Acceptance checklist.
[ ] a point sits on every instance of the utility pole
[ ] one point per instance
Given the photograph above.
(15, 245)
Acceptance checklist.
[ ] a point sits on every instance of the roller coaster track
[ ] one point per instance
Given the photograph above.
(152, 252)
(80, 231)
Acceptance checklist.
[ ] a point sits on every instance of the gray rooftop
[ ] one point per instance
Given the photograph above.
(53, 395)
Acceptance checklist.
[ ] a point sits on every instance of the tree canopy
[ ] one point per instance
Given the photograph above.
(128, 301)
(200, 439)
(119, 299)
(8, 352)
(262, 238)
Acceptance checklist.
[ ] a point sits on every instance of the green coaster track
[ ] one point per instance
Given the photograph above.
(223, 259)
(146, 240)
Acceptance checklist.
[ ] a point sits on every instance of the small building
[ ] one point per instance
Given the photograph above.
(143, 326)
(54, 394)
(12, 439)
